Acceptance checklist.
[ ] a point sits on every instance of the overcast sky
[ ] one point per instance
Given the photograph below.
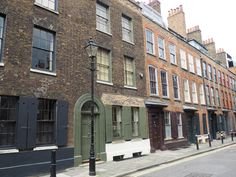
(216, 19)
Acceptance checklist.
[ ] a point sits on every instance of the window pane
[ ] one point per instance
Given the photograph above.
(164, 83)
(102, 18)
(129, 72)
(116, 121)
(135, 121)
(150, 42)
(103, 65)
(127, 29)
(47, 3)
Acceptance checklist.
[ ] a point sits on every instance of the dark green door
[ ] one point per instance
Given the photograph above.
(86, 132)
(193, 126)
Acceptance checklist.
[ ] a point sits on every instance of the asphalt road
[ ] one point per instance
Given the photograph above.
(220, 163)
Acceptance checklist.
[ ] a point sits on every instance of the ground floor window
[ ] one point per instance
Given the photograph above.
(116, 121)
(8, 115)
(135, 121)
(167, 125)
(180, 125)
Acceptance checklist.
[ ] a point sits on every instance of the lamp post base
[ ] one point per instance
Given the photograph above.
(92, 171)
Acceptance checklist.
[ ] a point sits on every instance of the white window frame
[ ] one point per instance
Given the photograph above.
(212, 97)
(127, 28)
(217, 97)
(167, 84)
(194, 93)
(156, 81)
(214, 75)
(105, 19)
(204, 69)
(118, 122)
(210, 72)
(128, 73)
(208, 96)
(135, 121)
(191, 63)
(177, 80)
(152, 43)
(48, 4)
(168, 133)
(183, 59)
(180, 125)
(161, 48)
(202, 95)
(199, 68)
(187, 97)
(172, 52)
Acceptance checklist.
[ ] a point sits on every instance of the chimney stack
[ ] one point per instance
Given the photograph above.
(195, 33)
(155, 4)
(176, 21)
(211, 47)
(221, 56)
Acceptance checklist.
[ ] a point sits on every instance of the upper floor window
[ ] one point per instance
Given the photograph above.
(161, 47)
(164, 83)
(150, 42)
(135, 121)
(219, 77)
(210, 72)
(214, 75)
(194, 93)
(8, 117)
(204, 69)
(50, 4)
(127, 29)
(217, 98)
(104, 65)
(1, 36)
(46, 122)
(191, 63)
(43, 57)
(202, 95)
(153, 80)
(129, 67)
(223, 98)
(223, 78)
(212, 96)
(186, 91)
(183, 59)
(176, 86)
(227, 80)
(102, 18)
(172, 54)
(198, 66)
(208, 95)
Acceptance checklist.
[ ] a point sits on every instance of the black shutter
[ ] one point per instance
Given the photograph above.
(22, 127)
(62, 116)
(204, 123)
(174, 125)
(32, 122)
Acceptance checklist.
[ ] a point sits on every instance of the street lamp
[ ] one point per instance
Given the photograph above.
(91, 49)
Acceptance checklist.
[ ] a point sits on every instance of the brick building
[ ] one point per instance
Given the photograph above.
(45, 83)
(181, 71)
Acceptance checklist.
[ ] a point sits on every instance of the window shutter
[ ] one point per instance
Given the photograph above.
(143, 128)
(62, 116)
(184, 123)
(32, 122)
(109, 132)
(126, 119)
(204, 123)
(22, 123)
(174, 125)
(196, 124)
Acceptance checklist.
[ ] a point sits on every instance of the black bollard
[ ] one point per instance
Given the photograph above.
(53, 163)
(197, 145)
(222, 138)
(209, 140)
(232, 136)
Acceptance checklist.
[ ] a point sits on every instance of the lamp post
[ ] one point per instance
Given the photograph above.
(91, 49)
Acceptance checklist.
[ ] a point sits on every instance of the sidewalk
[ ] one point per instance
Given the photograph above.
(124, 167)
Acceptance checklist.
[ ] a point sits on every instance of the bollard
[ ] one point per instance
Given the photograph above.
(53, 164)
(197, 145)
(209, 140)
(222, 138)
(232, 136)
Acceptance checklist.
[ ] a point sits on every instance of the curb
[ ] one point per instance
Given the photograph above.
(174, 160)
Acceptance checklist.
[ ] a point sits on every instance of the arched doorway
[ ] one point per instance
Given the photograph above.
(86, 130)
(82, 118)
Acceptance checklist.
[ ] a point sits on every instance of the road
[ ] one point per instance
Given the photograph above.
(219, 163)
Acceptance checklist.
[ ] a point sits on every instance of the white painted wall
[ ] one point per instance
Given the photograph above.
(127, 148)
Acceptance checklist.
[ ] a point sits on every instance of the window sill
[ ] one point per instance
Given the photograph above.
(163, 59)
(41, 148)
(8, 151)
(166, 97)
(129, 42)
(43, 72)
(152, 54)
(130, 87)
(192, 72)
(181, 137)
(168, 139)
(188, 102)
(1, 64)
(46, 8)
(177, 99)
(104, 32)
(105, 83)
(153, 95)
(185, 69)
(174, 64)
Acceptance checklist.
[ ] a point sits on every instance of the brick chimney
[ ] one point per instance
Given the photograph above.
(195, 33)
(176, 21)
(221, 56)
(211, 47)
(155, 4)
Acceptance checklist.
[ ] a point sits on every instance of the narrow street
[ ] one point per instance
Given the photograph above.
(219, 163)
